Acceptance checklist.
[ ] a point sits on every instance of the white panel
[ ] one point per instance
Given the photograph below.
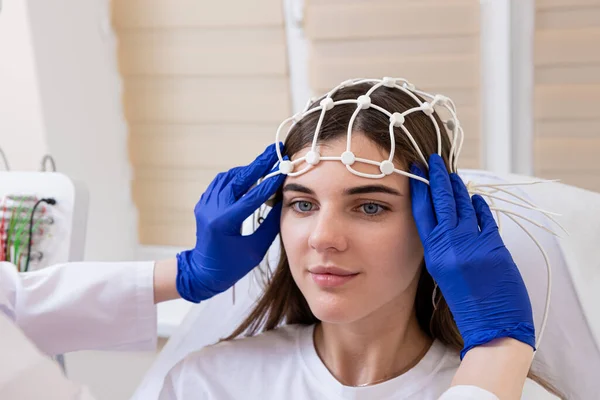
(496, 84)
(64, 239)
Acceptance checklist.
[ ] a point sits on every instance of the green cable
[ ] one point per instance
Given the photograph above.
(19, 235)
(17, 240)
(14, 218)
(33, 229)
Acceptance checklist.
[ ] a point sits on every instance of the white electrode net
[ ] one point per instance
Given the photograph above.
(451, 127)
(397, 120)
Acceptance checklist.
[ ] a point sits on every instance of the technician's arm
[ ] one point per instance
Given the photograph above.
(482, 285)
(88, 305)
(499, 367)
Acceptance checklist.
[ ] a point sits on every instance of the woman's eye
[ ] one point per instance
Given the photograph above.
(372, 208)
(303, 206)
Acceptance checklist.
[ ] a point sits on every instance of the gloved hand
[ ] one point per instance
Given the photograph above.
(466, 256)
(222, 256)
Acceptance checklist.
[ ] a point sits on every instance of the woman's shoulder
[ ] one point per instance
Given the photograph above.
(239, 368)
(258, 349)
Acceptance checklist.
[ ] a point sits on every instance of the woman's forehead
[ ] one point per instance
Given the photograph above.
(333, 177)
(360, 145)
(334, 172)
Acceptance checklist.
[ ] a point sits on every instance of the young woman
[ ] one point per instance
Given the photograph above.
(352, 311)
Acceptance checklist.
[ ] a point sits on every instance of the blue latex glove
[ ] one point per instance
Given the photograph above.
(466, 256)
(223, 256)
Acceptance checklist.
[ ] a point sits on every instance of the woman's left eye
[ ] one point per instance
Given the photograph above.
(372, 209)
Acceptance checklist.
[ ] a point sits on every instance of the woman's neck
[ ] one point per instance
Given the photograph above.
(374, 349)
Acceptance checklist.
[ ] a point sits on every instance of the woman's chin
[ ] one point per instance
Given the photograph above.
(335, 312)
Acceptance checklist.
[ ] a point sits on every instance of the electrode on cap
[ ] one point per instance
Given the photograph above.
(389, 82)
(348, 158)
(451, 124)
(364, 102)
(327, 103)
(427, 108)
(397, 119)
(408, 86)
(312, 158)
(286, 167)
(387, 167)
(440, 100)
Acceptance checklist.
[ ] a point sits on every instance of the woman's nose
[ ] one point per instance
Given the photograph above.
(328, 233)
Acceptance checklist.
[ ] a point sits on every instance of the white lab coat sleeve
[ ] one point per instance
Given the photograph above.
(467, 392)
(83, 305)
(27, 374)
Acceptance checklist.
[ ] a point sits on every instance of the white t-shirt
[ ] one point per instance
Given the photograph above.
(283, 364)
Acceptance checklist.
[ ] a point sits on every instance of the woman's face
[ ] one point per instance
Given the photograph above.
(351, 242)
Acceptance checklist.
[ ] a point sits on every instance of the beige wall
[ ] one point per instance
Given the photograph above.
(205, 87)
(567, 91)
(432, 43)
(206, 84)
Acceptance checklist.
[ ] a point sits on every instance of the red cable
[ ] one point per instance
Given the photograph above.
(3, 242)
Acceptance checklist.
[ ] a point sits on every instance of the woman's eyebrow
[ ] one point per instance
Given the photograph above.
(294, 187)
(371, 189)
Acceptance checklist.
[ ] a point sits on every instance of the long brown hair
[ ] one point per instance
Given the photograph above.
(282, 301)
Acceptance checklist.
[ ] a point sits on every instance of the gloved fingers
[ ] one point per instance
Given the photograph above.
(268, 229)
(249, 203)
(247, 176)
(422, 205)
(441, 192)
(213, 188)
(464, 206)
(484, 214)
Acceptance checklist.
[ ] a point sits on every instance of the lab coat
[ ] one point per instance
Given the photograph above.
(69, 307)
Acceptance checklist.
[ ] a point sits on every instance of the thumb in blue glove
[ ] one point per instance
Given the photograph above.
(222, 256)
(465, 255)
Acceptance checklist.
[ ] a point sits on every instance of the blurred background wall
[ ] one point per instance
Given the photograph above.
(147, 100)
(567, 91)
(205, 84)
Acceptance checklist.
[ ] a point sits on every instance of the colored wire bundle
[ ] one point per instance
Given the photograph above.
(31, 227)
(17, 230)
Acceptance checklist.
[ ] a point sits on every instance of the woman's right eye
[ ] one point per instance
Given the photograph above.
(302, 206)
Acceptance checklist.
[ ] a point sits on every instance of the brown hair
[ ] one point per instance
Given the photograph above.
(282, 300)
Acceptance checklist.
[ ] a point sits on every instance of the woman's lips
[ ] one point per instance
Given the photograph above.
(330, 277)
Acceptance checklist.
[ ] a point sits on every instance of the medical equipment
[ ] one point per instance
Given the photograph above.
(22, 219)
(55, 204)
